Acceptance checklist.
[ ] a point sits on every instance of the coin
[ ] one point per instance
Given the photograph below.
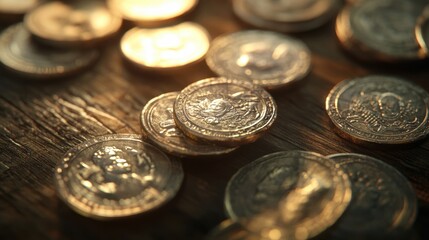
(20, 54)
(151, 11)
(383, 202)
(422, 31)
(71, 24)
(379, 109)
(158, 122)
(245, 13)
(224, 111)
(11, 10)
(269, 59)
(295, 193)
(116, 176)
(230, 230)
(165, 48)
(380, 30)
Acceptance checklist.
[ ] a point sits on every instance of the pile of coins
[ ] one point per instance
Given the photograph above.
(299, 195)
(385, 30)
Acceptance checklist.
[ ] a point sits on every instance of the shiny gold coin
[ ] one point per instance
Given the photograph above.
(165, 48)
(158, 123)
(224, 111)
(76, 23)
(151, 11)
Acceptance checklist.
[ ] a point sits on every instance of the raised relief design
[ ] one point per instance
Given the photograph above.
(116, 171)
(228, 110)
(168, 126)
(382, 112)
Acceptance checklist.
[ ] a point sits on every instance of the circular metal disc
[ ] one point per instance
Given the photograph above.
(116, 176)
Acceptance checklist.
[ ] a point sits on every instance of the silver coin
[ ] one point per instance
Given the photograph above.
(243, 11)
(19, 53)
(158, 122)
(297, 193)
(382, 29)
(383, 203)
(116, 176)
(379, 109)
(223, 111)
(269, 59)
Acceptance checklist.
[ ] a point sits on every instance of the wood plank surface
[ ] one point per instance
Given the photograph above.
(40, 121)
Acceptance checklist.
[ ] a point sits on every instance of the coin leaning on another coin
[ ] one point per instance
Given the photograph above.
(224, 111)
(115, 176)
(158, 122)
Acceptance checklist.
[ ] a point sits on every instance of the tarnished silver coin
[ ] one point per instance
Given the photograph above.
(158, 122)
(422, 30)
(294, 193)
(269, 59)
(379, 109)
(224, 111)
(381, 30)
(243, 10)
(116, 176)
(73, 23)
(383, 203)
(20, 54)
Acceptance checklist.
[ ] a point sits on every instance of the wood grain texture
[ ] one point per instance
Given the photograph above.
(40, 121)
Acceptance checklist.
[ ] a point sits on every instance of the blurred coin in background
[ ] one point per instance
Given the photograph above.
(12, 10)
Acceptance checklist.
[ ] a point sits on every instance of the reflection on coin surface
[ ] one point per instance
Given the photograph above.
(21, 54)
(379, 109)
(224, 111)
(297, 193)
(116, 176)
(422, 31)
(382, 29)
(269, 59)
(158, 122)
(383, 201)
(166, 47)
(151, 10)
(74, 23)
(245, 11)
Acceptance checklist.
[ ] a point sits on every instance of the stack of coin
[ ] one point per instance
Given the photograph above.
(209, 117)
(379, 110)
(268, 59)
(286, 15)
(298, 195)
(49, 43)
(116, 176)
(382, 30)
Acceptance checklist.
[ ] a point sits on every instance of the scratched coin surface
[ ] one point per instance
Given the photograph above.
(297, 193)
(167, 47)
(269, 59)
(379, 109)
(224, 111)
(383, 202)
(158, 122)
(151, 11)
(290, 10)
(116, 176)
(383, 30)
(73, 23)
(20, 54)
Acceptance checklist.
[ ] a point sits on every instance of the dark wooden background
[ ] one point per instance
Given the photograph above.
(40, 121)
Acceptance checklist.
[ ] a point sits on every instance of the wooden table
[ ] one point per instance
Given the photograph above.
(40, 121)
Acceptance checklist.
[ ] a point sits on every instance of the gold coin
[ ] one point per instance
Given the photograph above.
(11, 10)
(224, 111)
(151, 11)
(158, 122)
(73, 23)
(167, 47)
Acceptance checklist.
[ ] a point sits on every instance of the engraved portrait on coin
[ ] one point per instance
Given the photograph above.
(116, 176)
(269, 59)
(383, 201)
(224, 111)
(379, 109)
(158, 123)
